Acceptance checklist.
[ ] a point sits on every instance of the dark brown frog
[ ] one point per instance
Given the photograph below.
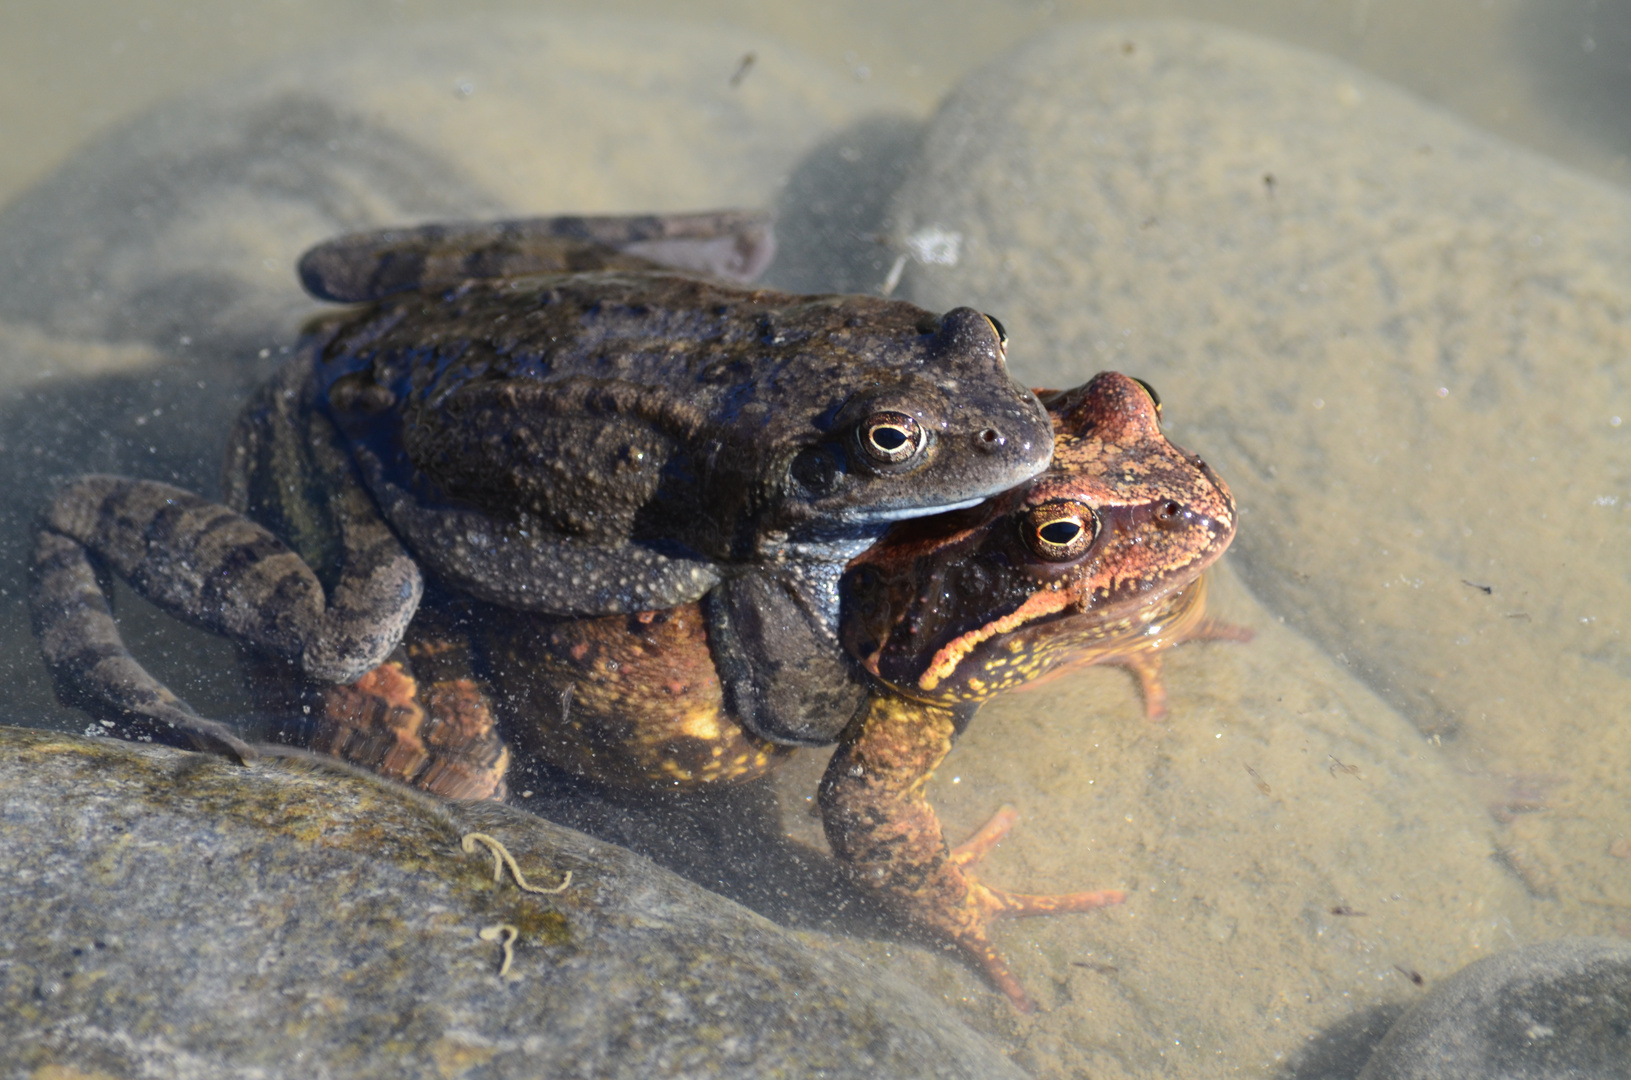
(540, 416)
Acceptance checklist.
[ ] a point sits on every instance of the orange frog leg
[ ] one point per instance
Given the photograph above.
(1145, 662)
(421, 718)
(886, 835)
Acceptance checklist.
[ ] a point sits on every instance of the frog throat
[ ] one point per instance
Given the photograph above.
(945, 661)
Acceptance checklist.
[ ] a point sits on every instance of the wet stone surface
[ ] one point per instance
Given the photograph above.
(1557, 1009)
(168, 914)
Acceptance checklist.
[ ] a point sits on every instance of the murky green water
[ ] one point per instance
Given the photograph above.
(1401, 341)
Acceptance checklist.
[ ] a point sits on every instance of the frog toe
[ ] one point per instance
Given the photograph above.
(965, 919)
(997, 904)
(1007, 905)
(182, 728)
(210, 737)
(967, 927)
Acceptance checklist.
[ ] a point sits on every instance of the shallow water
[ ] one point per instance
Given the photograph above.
(1478, 811)
(1550, 75)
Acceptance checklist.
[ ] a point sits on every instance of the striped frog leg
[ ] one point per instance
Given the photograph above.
(212, 567)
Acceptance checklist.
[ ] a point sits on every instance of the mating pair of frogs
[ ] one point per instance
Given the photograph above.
(550, 490)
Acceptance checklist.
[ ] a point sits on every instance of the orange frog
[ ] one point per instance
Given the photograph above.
(1097, 561)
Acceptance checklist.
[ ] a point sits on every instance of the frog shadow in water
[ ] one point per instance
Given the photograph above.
(726, 838)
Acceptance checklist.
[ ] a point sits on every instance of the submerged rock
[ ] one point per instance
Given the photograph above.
(1541, 1012)
(1401, 340)
(1402, 343)
(168, 914)
(180, 229)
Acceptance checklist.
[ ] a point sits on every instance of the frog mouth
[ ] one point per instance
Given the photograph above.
(886, 517)
(1137, 614)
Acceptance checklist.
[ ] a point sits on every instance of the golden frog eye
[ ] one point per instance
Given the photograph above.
(1155, 399)
(1059, 531)
(891, 437)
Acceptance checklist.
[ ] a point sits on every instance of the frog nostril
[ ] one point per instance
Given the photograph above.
(990, 440)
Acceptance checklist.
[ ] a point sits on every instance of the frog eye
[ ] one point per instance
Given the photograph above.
(1002, 331)
(1059, 531)
(1155, 399)
(890, 438)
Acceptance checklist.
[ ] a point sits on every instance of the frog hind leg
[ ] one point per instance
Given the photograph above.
(421, 718)
(287, 468)
(733, 245)
(889, 840)
(92, 669)
(214, 568)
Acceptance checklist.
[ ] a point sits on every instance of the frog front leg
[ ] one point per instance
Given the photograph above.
(212, 567)
(886, 835)
(1143, 656)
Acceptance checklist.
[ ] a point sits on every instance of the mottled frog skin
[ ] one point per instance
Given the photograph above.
(1097, 561)
(549, 417)
(630, 438)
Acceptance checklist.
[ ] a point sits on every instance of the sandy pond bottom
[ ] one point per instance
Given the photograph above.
(1400, 341)
(1295, 854)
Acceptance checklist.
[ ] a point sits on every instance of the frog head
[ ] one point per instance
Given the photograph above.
(1101, 552)
(897, 414)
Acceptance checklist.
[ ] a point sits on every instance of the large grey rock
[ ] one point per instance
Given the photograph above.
(1300, 258)
(166, 914)
(1560, 1009)
(1403, 343)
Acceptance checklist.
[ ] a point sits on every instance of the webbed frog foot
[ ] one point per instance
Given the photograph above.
(889, 841)
(964, 918)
